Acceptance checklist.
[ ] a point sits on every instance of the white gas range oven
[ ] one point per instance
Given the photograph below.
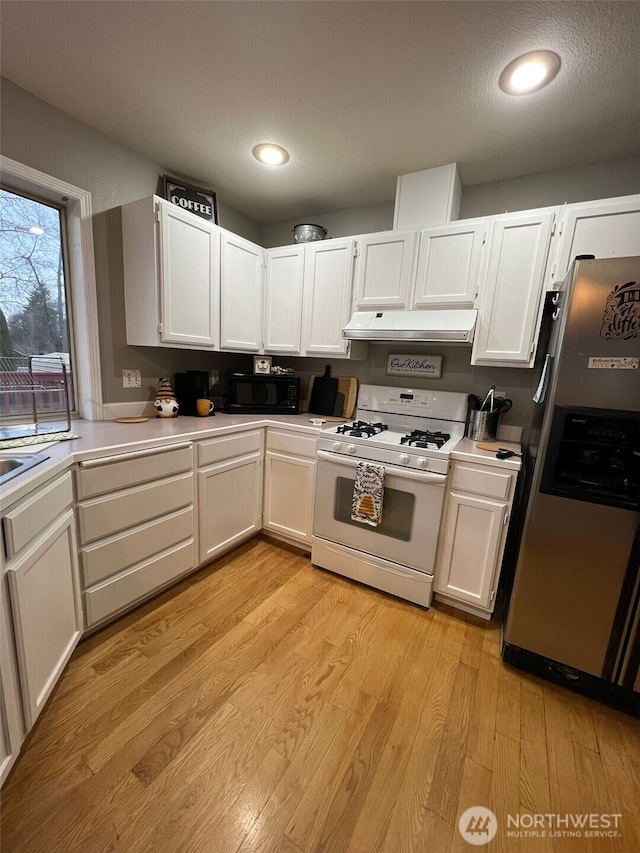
(408, 435)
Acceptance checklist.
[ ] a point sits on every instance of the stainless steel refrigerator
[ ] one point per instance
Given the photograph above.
(574, 612)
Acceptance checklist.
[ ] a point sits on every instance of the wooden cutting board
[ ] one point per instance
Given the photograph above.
(347, 385)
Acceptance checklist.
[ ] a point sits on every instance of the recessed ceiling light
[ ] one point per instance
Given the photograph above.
(529, 72)
(272, 155)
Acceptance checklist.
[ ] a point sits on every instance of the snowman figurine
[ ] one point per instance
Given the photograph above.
(165, 403)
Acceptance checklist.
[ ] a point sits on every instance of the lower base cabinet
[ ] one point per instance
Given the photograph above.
(136, 523)
(44, 590)
(473, 533)
(289, 483)
(229, 491)
(11, 720)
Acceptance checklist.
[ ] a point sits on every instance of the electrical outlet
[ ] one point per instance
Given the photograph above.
(131, 378)
(500, 394)
(214, 377)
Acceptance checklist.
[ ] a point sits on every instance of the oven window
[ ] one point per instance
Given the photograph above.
(397, 510)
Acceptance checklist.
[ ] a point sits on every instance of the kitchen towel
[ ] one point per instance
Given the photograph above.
(368, 491)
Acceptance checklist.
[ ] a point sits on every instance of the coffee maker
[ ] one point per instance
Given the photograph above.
(189, 387)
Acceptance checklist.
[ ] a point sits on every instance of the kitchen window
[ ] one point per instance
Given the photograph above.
(80, 302)
(34, 315)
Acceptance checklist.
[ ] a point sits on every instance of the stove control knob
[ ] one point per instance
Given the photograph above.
(337, 446)
(404, 458)
(423, 463)
(351, 448)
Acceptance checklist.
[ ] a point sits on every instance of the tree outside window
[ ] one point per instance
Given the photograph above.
(33, 303)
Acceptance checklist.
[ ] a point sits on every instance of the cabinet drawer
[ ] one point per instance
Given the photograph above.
(114, 555)
(33, 515)
(228, 446)
(291, 443)
(108, 474)
(110, 514)
(125, 589)
(494, 483)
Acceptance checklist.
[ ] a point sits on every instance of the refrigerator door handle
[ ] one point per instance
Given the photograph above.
(543, 385)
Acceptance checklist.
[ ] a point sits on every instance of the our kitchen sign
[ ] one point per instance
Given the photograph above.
(414, 365)
(194, 199)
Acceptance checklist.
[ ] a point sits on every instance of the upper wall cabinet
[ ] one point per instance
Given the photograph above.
(241, 294)
(171, 276)
(434, 268)
(328, 288)
(511, 291)
(449, 265)
(385, 269)
(308, 297)
(283, 299)
(608, 228)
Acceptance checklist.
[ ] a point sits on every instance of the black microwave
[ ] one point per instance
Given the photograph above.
(251, 394)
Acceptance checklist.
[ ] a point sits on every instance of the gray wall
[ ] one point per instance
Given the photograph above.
(44, 138)
(608, 179)
(339, 223)
(40, 136)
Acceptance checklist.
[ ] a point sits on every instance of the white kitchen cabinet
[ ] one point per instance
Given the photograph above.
(472, 538)
(607, 228)
(11, 720)
(510, 302)
(171, 276)
(42, 575)
(229, 491)
(448, 268)
(289, 485)
(384, 270)
(241, 294)
(283, 300)
(136, 523)
(328, 289)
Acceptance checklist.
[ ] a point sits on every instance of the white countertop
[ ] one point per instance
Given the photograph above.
(467, 451)
(99, 437)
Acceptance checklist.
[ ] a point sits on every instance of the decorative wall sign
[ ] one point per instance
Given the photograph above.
(262, 364)
(414, 365)
(196, 200)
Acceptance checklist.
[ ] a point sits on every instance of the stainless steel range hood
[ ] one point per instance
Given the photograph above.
(445, 325)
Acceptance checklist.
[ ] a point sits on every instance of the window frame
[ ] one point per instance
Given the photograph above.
(83, 317)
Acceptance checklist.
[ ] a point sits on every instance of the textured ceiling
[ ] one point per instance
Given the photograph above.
(358, 92)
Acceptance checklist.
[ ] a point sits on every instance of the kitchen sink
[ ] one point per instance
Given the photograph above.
(11, 466)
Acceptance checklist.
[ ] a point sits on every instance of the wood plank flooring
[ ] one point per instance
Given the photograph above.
(263, 705)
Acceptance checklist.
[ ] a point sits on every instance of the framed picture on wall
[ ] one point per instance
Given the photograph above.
(262, 364)
(202, 202)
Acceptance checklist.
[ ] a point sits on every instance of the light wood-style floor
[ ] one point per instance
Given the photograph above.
(263, 705)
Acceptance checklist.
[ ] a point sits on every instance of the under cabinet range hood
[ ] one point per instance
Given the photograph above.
(454, 325)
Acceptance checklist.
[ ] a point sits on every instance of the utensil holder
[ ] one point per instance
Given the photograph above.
(482, 426)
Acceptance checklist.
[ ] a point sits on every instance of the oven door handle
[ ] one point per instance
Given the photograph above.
(397, 470)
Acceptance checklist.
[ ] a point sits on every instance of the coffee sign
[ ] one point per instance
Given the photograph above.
(193, 199)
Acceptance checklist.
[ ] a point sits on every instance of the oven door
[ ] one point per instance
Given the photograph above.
(411, 511)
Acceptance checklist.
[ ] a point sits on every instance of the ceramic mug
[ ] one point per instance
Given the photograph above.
(204, 407)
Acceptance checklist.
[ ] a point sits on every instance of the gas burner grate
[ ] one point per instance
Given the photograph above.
(425, 438)
(361, 429)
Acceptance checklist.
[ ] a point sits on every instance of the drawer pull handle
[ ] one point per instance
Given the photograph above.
(135, 454)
